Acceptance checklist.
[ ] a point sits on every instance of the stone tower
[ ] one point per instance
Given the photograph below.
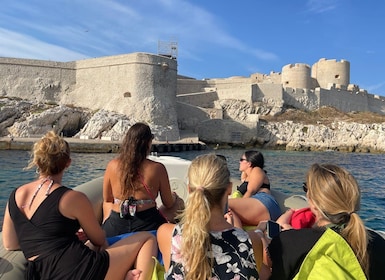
(296, 76)
(331, 71)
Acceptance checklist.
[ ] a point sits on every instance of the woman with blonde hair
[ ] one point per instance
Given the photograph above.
(204, 245)
(47, 220)
(131, 185)
(334, 198)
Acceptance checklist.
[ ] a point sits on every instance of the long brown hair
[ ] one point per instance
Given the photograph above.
(336, 194)
(133, 152)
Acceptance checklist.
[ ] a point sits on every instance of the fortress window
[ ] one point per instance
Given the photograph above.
(286, 82)
(337, 76)
(127, 94)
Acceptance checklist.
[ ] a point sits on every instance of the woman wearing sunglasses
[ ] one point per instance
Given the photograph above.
(256, 204)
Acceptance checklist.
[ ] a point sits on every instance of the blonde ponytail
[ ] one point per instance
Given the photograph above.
(335, 192)
(356, 235)
(209, 179)
(196, 238)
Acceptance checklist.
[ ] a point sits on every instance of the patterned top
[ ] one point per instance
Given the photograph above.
(232, 251)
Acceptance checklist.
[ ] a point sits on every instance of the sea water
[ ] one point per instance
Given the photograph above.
(286, 171)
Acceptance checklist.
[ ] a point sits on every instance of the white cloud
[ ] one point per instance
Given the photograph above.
(113, 27)
(321, 6)
(18, 45)
(375, 87)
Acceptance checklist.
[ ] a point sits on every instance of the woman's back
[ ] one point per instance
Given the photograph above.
(131, 185)
(152, 177)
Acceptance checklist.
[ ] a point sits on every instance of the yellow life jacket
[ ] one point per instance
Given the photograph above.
(330, 258)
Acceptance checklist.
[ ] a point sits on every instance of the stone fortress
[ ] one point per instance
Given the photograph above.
(147, 87)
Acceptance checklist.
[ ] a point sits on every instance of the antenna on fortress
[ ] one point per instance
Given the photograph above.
(168, 49)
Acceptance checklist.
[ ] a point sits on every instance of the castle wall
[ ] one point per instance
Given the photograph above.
(264, 92)
(201, 99)
(189, 116)
(305, 99)
(272, 78)
(229, 88)
(296, 76)
(327, 71)
(141, 86)
(234, 88)
(190, 86)
(38, 80)
(376, 104)
(338, 99)
(228, 131)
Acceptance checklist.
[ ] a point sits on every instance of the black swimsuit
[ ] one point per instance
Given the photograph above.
(243, 187)
(52, 237)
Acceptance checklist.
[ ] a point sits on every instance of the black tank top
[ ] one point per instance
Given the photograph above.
(48, 230)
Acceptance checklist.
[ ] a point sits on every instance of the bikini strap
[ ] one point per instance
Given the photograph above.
(147, 188)
(152, 196)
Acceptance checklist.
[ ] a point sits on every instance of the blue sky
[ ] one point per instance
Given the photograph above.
(216, 39)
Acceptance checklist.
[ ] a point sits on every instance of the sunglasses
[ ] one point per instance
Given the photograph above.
(242, 159)
(304, 187)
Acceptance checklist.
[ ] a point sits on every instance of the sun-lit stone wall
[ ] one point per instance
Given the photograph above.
(296, 76)
(38, 80)
(139, 85)
(327, 71)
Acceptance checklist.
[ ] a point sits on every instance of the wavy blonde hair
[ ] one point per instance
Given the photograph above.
(50, 154)
(209, 179)
(336, 194)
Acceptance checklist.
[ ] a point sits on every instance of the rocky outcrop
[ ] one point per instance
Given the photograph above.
(339, 136)
(21, 118)
(36, 119)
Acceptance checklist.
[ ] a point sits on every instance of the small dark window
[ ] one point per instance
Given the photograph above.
(127, 94)
(337, 76)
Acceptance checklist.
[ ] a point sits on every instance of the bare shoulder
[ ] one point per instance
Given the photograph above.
(165, 229)
(25, 191)
(74, 203)
(257, 171)
(154, 165)
(113, 163)
(72, 197)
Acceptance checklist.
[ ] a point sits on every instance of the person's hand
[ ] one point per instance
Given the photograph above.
(285, 219)
(233, 219)
(262, 226)
(229, 217)
(82, 235)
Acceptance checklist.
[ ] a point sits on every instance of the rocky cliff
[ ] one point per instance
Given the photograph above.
(325, 129)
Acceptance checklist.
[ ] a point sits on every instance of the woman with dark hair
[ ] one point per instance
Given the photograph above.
(256, 204)
(131, 184)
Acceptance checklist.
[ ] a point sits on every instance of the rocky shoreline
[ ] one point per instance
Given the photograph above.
(103, 146)
(22, 122)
